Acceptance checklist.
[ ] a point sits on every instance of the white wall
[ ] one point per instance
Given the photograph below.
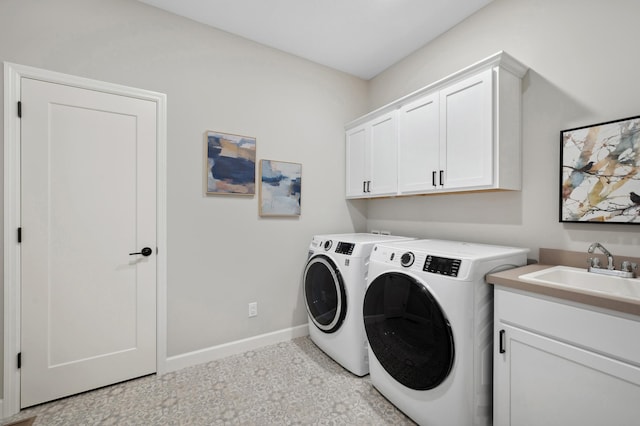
(221, 254)
(584, 62)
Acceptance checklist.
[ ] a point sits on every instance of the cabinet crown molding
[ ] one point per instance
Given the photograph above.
(500, 60)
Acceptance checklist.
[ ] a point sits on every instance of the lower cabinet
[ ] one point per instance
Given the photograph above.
(558, 363)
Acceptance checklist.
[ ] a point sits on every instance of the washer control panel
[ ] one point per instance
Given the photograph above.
(442, 265)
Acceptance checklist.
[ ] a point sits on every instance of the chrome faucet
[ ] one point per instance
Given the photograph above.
(627, 270)
(606, 252)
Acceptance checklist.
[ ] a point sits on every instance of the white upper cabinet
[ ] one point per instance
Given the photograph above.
(466, 133)
(372, 168)
(356, 158)
(419, 145)
(461, 133)
(384, 156)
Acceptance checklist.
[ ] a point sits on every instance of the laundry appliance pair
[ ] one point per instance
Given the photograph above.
(427, 315)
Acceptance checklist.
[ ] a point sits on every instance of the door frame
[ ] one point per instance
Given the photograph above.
(13, 73)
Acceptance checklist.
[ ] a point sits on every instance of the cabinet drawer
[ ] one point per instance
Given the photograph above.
(607, 333)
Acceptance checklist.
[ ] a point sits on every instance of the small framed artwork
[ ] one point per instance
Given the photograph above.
(600, 173)
(231, 164)
(280, 188)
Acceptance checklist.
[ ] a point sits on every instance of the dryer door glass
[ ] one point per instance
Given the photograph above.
(324, 293)
(407, 331)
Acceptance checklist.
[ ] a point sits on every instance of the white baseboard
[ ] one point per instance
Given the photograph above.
(232, 348)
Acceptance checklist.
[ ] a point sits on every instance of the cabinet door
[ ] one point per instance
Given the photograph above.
(466, 131)
(384, 156)
(419, 145)
(542, 381)
(356, 175)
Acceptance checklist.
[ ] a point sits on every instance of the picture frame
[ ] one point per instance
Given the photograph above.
(280, 188)
(230, 164)
(600, 172)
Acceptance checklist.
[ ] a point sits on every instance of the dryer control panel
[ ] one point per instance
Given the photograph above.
(442, 265)
(345, 248)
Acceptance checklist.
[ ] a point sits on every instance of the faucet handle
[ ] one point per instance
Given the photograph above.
(594, 262)
(628, 266)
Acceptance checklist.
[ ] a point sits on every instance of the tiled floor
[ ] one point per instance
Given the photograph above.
(291, 383)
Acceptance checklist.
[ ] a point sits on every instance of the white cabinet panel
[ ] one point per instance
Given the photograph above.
(466, 118)
(554, 376)
(553, 383)
(372, 168)
(356, 175)
(384, 163)
(419, 145)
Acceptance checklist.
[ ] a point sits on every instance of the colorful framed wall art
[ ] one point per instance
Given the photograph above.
(600, 173)
(230, 164)
(280, 188)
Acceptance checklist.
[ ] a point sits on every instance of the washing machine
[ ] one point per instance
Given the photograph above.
(428, 318)
(334, 283)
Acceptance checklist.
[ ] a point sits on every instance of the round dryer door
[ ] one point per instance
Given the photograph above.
(407, 331)
(324, 293)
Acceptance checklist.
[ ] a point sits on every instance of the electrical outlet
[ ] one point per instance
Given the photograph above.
(253, 309)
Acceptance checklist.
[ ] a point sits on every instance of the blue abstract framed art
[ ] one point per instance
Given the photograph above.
(280, 188)
(231, 164)
(600, 173)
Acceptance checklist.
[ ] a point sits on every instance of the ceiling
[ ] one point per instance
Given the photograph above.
(359, 37)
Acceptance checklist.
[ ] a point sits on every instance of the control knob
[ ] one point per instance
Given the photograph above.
(407, 259)
(327, 245)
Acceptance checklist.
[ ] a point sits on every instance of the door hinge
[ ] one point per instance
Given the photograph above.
(19, 235)
(19, 109)
(19, 359)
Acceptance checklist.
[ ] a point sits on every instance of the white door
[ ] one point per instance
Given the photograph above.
(383, 156)
(419, 146)
(543, 381)
(356, 141)
(88, 311)
(466, 130)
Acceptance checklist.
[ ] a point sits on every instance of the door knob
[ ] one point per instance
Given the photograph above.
(145, 252)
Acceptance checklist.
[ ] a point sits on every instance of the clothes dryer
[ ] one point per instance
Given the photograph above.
(334, 283)
(428, 316)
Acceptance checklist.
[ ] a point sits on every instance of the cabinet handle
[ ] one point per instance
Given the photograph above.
(364, 186)
(441, 177)
(502, 342)
(433, 178)
(368, 186)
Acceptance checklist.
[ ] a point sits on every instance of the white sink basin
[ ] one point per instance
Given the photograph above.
(584, 281)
